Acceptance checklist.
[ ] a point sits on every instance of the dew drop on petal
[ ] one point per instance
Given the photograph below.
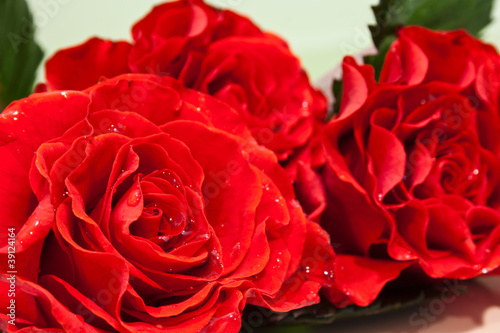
(134, 198)
(328, 274)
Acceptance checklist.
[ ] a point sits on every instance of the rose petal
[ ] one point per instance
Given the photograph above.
(82, 66)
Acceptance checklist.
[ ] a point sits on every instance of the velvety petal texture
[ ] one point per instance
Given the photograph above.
(140, 205)
(413, 166)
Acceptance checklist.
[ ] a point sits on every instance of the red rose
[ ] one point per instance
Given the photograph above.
(224, 55)
(215, 51)
(140, 205)
(413, 168)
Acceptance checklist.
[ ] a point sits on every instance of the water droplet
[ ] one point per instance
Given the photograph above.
(484, 271)
(307, 269)
(475, 172)
(198, 109)
(172, 179)
(31, 232)
(65, 95)
(216, 255)
(328, 274)
(116, 128)
(380, 197)
(134, 198)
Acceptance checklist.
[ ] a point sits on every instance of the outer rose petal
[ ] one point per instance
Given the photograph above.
(24, 125)
(359, 280)
(82, 66)
(316, 271)
(35, 305)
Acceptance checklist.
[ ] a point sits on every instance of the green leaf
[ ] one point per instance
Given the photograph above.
(377, 60)
(390, 15)
(337, 89)
(19, 53)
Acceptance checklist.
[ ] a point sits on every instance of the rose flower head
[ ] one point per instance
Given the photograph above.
(225, 55)
(413, 169)
(141, 205)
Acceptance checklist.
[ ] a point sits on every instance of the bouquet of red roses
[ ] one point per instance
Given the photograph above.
(190, 178)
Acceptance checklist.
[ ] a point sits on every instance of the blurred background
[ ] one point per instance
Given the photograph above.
(320, 32)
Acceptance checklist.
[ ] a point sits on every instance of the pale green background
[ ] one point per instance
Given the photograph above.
(320, 32)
